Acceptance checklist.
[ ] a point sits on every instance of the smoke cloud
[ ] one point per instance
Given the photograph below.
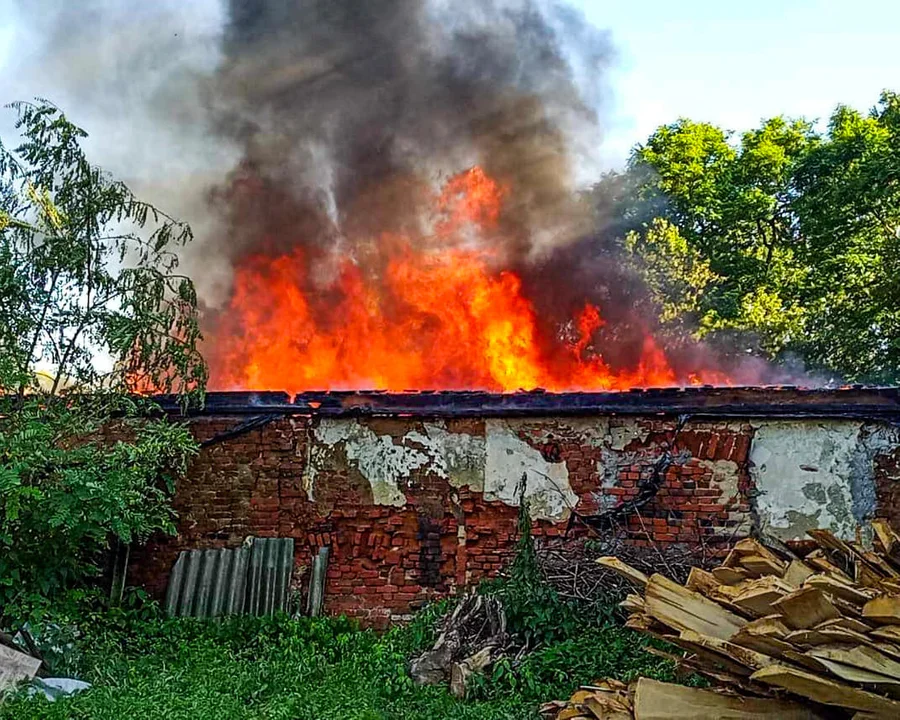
(348, 111)
(328, 125)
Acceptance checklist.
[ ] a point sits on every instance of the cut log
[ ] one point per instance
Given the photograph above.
(885, 610)
(825, 691)
(654, 700)
(623, 569)
(683, 609)
(806, 608)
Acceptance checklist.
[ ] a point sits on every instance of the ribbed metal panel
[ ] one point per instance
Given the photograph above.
(253, 580)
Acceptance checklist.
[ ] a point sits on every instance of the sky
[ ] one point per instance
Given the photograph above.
(730, 63)
(733, 63)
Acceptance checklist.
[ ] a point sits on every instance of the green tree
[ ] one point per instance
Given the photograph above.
(91, 309)
(784, 237)
(847, 206)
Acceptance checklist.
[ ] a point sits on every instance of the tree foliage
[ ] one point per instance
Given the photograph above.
(91, 309)
(786, 237)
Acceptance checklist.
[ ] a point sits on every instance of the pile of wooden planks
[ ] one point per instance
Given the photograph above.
(652, 700)
(821, 628)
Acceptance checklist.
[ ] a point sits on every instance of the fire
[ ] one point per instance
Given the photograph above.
(435, 315)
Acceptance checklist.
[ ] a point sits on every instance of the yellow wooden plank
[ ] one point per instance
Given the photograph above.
(824, 690)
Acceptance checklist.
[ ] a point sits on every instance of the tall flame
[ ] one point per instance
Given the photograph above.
(437, 315)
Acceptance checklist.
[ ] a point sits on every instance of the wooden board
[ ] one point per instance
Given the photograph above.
(715, 660)
(852, 674)
(773, 647)
(748, 547)
(844, 623)
(730, 576)
(758, 597)
(603, 709)
(861, 656)
(839, 589)
(818, 560)
(885, 535)
(770, 625)
(884, 610)
(683, 609)
(879, 564)
(797, 571)
(891, 633)
(654, 700)
(826, 691)
(805, 608)
(623, 569)
(807, 638)
(16, 666)
(703, 582)
(746, 656)
(757, 566)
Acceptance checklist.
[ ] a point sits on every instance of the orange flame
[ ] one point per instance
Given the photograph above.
(432, 318)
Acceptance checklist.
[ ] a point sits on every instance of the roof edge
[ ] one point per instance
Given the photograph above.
(858, 402)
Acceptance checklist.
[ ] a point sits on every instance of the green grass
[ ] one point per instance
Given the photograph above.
(313, 669)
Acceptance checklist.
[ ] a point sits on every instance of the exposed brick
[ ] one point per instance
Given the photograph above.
(387, 560)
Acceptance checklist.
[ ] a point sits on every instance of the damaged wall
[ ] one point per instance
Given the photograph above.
(817, 473)
(415, 508)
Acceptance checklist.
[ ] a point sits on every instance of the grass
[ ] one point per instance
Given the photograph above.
(313, 669)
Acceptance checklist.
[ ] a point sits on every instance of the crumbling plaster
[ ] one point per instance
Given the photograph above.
(494, 462)
(804, 473)
(816, 474)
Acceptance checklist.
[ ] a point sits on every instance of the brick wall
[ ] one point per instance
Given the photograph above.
(414, 509)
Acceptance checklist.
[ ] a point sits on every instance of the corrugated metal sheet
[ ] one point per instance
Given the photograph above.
(250, 580)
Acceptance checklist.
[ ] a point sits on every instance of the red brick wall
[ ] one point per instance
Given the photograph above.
(387, 560)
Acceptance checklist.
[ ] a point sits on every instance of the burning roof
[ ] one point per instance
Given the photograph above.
(856, 402)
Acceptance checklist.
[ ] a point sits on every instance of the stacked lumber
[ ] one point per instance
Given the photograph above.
(822, 629)
(652, 700)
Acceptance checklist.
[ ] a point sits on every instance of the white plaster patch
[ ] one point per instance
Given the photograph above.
(508, 458)
(458, 456)
(384, 462)
(381, 462)
(802, 472)
(620, 436)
